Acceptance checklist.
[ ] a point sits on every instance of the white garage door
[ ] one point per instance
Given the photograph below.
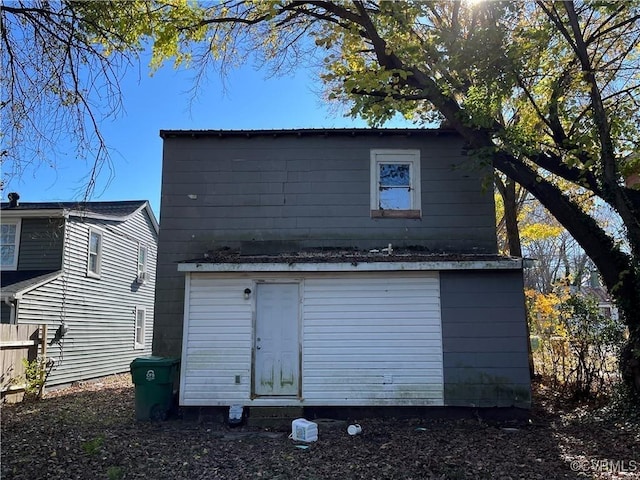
(366, 339)
(372, 340)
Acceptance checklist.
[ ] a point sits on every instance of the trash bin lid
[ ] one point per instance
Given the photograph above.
(153, 361)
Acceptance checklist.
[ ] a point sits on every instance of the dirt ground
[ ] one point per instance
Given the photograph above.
(89, 431)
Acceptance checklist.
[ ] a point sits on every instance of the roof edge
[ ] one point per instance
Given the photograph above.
(45, 278)
(396, 266)
(152, 216)
(71, 209)
(119, 218)
(306, 132)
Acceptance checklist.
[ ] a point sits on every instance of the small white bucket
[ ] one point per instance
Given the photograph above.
(303, 430)
(354, 429)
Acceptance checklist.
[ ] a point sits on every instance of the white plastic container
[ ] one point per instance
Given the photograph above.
(235, 414)
(354, 429)
(303, 430)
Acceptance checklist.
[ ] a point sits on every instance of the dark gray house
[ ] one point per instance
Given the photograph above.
(336, 268)
(87, 271)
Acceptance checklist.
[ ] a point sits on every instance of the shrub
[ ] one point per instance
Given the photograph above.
(36, 372)
(575, 347)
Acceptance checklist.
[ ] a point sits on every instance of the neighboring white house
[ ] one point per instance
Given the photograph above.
(87, 271)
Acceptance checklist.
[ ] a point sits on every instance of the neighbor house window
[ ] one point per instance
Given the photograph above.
(9, 243)
(142, 262)
(395, 183)
(140, 321)
(94, 261)
(605, 312)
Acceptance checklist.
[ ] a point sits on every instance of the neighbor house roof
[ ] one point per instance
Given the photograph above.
(307, 132)
(115, 210)
(15, 283)
(118, 208)
(599, 293)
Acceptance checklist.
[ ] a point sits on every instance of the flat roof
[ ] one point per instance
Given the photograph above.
(346, 260)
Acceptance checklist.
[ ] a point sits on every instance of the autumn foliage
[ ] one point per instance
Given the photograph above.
(575, 346)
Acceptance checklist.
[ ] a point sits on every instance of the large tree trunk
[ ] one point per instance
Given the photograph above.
(630, 363)
(511, 217)
(507, 190)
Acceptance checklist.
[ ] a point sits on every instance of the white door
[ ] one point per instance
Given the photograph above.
(276, 370)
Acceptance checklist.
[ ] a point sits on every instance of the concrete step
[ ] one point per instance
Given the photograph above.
(266, 412)
(276, 418)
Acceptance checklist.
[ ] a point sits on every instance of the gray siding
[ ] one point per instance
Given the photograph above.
(41, 244)
(312, 191)
(316, 191)
(484, 339)
(5, 313)
(99, 313)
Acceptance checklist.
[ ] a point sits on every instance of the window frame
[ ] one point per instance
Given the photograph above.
(605, 310)
(409, 157)
(100, 233)
(144, 270)
(139, 345)
(16, 242)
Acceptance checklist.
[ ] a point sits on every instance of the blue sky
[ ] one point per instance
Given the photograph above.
(246, 100)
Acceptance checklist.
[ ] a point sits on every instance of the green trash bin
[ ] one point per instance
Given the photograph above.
(154, 379)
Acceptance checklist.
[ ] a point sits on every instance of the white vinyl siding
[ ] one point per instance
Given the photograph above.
(372, 341)
(367, 339)
(217, 341)
(99, 315)
(10, 243)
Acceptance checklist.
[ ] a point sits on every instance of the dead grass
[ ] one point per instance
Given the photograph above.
(89, 432)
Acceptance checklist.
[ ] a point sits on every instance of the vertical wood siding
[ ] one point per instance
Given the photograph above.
(5, 313)
(365, 340)
(99, 313)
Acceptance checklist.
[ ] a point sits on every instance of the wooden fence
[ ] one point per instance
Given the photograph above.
(18, 343)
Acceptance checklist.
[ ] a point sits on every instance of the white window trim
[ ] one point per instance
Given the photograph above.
(142, 270)
(139, 345)
(100, 232)
(411, 157)
(18, 223)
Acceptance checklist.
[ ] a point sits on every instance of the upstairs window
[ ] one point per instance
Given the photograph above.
(9, 243)
(94, 261)
(395, 184)
(142, 263)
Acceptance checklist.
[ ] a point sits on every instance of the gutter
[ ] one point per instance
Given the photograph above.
(49, 212)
